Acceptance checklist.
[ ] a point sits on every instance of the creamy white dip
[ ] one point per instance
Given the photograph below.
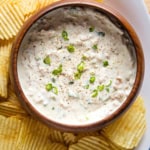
(75, 67)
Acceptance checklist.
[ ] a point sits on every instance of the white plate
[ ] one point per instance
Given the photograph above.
(137, 15)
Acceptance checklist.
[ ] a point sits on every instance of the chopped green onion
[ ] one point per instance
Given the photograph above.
(84, 57)
(92, 79)
(57, 71)
(107, 89)
(47, 60)
(70, 48)
(95, 47)
(110, 82)
(105, 63)
(49, 87)
(95, 93)
(101, 34)
(101, 87)
(77, 75)
(87, 86)
(65, 35)
(91, 29)
(80, 67)
(55, 90)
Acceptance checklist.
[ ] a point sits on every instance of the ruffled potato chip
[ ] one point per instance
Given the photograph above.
(69, 138)
(12, 19)
(5, 49)
(56, 136)
(9, 131)
(33, 135)
(91, 143)
(57, 146)
(127, 131)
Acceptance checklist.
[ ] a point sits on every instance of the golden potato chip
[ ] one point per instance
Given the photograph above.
(57, 146)
(29, 6)
(91, 143)
(69, 138)
(56, 136)
(9, 131)
(5, 49)
(81, 135)
(33, 135)
(11, 106)
(127, 131)
(12, 19)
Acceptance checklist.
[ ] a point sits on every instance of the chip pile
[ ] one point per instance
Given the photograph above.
(19, 131)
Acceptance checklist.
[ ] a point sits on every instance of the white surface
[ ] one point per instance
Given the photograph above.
(137, 15)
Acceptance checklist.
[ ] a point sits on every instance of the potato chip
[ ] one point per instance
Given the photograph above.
(57, 146)
(69, 138)
(29, 6)
(12, 19)
(5, 49)
(33, 135)
(127, 131)
(12, 107)
(81, 135)
(9, 131)
(56, 136)
(91, 143)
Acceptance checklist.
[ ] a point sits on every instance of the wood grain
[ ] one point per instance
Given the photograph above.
(148, 4)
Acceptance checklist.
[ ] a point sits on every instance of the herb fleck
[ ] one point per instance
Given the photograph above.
(71, 82)
(105, 63)
(101, 87)
(47, 60)
(87, 86)
(101, 34)
(65, 35)
(95, 47)
(92, 79)
(49, 87)
(55, 90)
(77, 75)
(91, 29)
(94, 93)
(70, 48)
(80, 67)
(57, 71)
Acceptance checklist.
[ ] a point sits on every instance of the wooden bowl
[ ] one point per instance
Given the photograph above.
(119, 21)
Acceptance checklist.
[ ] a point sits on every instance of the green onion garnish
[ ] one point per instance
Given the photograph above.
(84, 57)
(101, 87)
(57, 71)
(87, 86)
(49, 87)
(107, 89)
(77, 75)
(80, 67)
(70, 48)
(91, 29)
(47, 60)
(110, 82)
(105, 63)
(95, 93)
(95, 47)
(65, 35)
(55, 90)
(92, 79)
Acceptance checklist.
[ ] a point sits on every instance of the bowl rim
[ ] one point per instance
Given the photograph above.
(89, 126)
